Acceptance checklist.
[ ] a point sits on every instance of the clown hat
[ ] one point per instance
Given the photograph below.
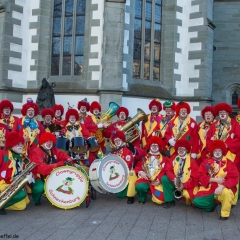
(47, 111)
(13, 139)
(118, 134)
(5, 104)
(183, 143)
(155, 102)
(122, 109)
(85, 103)
(181, 105)
(70, 112)
(217, 144)
(95, 104)
(47, 136)
(58, 107)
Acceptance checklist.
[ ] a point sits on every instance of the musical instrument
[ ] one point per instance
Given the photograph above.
(62, 143)
(92, 144)
(151, 170)
(131, 129)
(181, 132)
(78, 144)
(66, 187)
(177, 193)
(18, 183)
(109, 174)
(113, 107)
(54, 127)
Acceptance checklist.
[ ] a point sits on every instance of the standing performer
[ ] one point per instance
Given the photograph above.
(182, 127)
(152, 126)
(58, 113)
(151, 172)
(208, 114)
(218, 177)
(133, 157)
(11, 166)
(84, 118)
(28, 126)
(47, 115)
(227, 130)
(46, 157)
(181, 179)
(6, 109)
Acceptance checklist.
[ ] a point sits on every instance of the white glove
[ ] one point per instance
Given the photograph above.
(30, 178)
(100, 125)
(194, 155)
(172, 142)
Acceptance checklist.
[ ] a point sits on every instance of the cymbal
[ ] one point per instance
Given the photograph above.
(54, 127)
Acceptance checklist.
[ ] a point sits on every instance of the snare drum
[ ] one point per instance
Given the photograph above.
(78, 145)
(66, 187)
(62, 143)
(92, 144)
(109, 174)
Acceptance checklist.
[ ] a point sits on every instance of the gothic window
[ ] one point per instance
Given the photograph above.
(147, 39)
(234, 98)
(68, 37)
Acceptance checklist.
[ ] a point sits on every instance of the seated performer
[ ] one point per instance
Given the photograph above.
(208, 114)
(47, 115)
(58, 112)
(218, 177)
(11, 166)
(132, 156)
(46, 157)
(6, 109)
(28, 126)
(181, 179)
(151, 172)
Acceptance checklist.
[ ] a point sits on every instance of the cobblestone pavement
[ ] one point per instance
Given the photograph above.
(111, 218)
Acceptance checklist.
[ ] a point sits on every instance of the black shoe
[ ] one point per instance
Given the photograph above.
(130, 200)
(169, 204)
(3, 212)
(223, 218)
(37, 204)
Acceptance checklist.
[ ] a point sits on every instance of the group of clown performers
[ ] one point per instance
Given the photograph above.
(172, 158)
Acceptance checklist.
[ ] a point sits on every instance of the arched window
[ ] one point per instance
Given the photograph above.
(234, 98)
(68, 37)
(147, 39)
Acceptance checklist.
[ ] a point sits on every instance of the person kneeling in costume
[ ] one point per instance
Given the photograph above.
(218, 177)
(12, 164)
(46, 157)
(132, 156)
(151, 172)
(181, 179)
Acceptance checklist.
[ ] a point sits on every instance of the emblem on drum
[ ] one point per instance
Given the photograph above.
(65, 188)
(113, 173)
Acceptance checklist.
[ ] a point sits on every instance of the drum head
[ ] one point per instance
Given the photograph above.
(113, 173)
(66, 187)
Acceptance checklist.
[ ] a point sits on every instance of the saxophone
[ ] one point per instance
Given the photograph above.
(178, 184)
(181, 132)
(18, 183)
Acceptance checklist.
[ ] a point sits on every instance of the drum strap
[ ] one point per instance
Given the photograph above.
(51, 158)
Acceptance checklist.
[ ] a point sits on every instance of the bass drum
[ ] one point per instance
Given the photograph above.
(66, 187)
(109, 174)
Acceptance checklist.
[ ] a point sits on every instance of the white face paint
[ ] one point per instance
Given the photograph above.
(223, 115)
(72, 119)
(183, 112)
(169, 112)
(154, 148)
(96, 111)
(18, 148)
(48, 118)
(217, 154)
(208, 117)
(83, 109)
(182, 151)
(118, 142)
(30, 112)
(48, 145)
(154, 109)
(122, 116)
(7, 111)
(58, 113)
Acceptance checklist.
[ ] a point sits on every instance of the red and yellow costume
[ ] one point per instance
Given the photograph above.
(47, 111)
(8, 121)
(59, 121)
(189, 177)
(157, 163)
(211, 168)
(152, 125)
(229, 133)
(31, 128)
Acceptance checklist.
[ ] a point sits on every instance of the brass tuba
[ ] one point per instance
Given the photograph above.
(130, 129)
(18, 183)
